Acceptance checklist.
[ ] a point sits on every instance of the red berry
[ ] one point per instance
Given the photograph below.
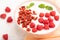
(9, 19)
(18, 22)
(50, 19)
(56, 18)
(5, 36)
(47, 14)
(40, 20)
(41, 14)
(28, 29)
(46, 21)
(52, 13)
(39, 27)
(51, 25)
(7, 9)
(32, 25)
(3, 16)
(34, 29)
(46, 27)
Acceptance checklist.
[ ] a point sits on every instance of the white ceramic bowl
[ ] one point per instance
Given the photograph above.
(38, 10)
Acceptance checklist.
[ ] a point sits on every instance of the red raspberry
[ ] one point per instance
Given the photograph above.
(28, 29)
(39, 27)
(50, 19)
(41, 14)
(9, 19)
(5, 36)
(47, 14)
(7, 9)
(32, 25)
(40, 20)
(46, 21)
(51, 25)
(52, 13)
(46, 27)
(34, 29)
(56, 18)
(3, 16)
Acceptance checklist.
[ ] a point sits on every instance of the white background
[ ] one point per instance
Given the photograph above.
(11, 28)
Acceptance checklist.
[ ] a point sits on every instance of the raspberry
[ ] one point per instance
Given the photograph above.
(41, 14)
(56, 18)
(52, 13)
(9, 19)
(50, 19)
(3, 16)
(40, 20)
(34, 29)
(51, 25)
(7, 9)
(5, 36)
(46, 21)
(28, 29)
(47, 15)
(32, 25)
(46, 27)
(39, 27)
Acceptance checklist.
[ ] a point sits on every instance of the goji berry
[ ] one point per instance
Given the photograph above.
(46, 21)
(40, 20)
(50, 19)
(5, 36)
(34, 29)
(46, 26)
(56, 18)
(7, 9)
(32, 25)
(51, 25)
(9, 19)
(39, 27)
(41, 14)
(47, 14)
(52, 13)
(28, 29)
(3, 16)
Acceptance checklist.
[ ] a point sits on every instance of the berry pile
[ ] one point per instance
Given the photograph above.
(3, 15)
(25, 18)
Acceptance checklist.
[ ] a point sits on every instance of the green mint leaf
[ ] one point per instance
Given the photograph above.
(41, 6)
(31, 4)
(49, 8)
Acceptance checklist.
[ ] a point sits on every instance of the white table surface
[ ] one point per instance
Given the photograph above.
(11, 28)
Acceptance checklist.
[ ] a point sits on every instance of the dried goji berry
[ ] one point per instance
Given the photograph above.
(46, 21)
(28, 29)
(50, 19)
(41, 14)
(56, 18)
(18, 22)
(9, 19)
(32, 25)
(7, 9)
(47, 14)
(52, 13)
(39, 27)
(40, 20)
(34, 29)
(5, 36)
(51, 25)
(46, 26)
(3, 16)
